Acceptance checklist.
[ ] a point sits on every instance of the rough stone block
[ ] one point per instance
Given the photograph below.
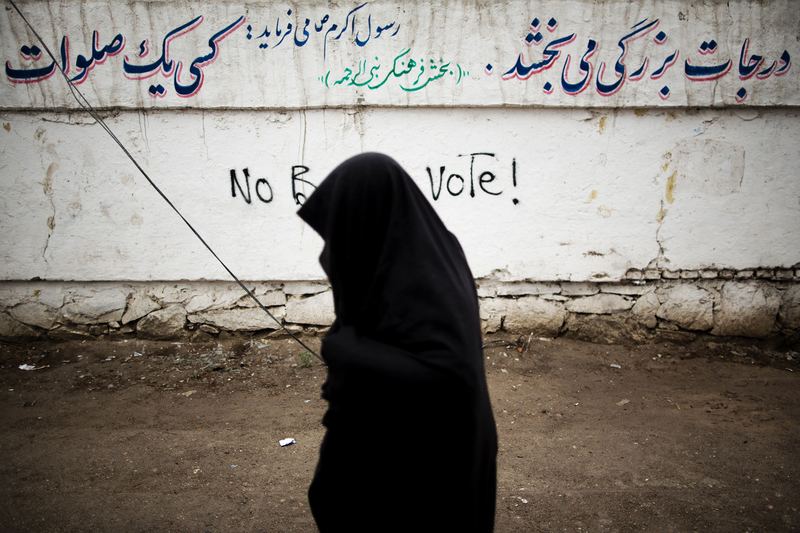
(764, 273)
(274, 298)
(13, 328)
(487, 288)
(645, 308)
(265, 287)
(579, 288)
(240, 319)
(652, 274)
(96, 307)
(708, 274)
(784, 274)
(689, 274)
(789, 313)
(600, 304)
(527, 288)
(688, 306)
(634, 273)
(624, 288)
(11, 295)
(34, 314)
(316, 310)
(671, 274)
(727, 274)
(210, 296)
(169, 293)
(744, 274)
(139, 305)
(165, 323)
(492, 312)
(49, 294)
(530, 314)
(301, 288)
(746, 310)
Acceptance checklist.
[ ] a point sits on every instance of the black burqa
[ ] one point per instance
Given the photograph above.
(411, 443)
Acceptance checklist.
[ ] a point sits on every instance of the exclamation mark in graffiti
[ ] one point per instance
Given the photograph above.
(514, 178)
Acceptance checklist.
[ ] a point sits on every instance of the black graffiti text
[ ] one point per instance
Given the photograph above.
(300, 195)
(480, 178)
(262, 187)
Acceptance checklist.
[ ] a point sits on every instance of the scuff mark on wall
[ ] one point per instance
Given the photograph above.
(605, 211)
(669, 193)
(710, 167)
(661, 213)
(667, 160)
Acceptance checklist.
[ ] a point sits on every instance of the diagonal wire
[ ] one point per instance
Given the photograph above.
(84, 103)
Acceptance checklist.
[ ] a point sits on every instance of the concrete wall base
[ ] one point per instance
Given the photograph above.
(641, 309)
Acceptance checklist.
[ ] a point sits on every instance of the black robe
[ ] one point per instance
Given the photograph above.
(411, 443)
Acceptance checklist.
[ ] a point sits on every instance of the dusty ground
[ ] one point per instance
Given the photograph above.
(145, 436)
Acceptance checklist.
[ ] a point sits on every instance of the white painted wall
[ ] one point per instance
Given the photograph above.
(603, 184)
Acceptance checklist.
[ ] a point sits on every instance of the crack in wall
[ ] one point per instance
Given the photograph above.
(72, 121)
(47, 188)
(203, 127)
(661, 257)
(303, 140)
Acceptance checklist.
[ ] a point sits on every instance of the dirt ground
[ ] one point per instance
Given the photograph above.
(130, 435)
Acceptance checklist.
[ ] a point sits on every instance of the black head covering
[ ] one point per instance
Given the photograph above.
(398, 275)
(404, 360)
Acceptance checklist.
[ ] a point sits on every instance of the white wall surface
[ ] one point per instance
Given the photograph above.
(598, 192)
(602, 184)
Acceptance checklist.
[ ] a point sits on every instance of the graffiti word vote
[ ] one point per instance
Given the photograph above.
(480, 177)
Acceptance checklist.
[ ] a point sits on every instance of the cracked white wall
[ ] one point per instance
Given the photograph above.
(576, 188)
(597, 192)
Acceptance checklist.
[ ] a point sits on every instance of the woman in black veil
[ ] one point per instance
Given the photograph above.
(411, 443)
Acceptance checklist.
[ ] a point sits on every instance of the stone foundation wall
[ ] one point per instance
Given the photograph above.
(646, 305)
